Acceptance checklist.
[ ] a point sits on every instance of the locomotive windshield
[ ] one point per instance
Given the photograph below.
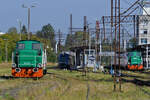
(138, 54)
(21, 46)
(134, 54)
(63, 57)
(36, 46)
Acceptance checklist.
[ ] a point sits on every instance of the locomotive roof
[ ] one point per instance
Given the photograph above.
(22, 41)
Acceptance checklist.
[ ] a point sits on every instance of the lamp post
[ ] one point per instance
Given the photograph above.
(28, 7)
(6, 51)
(19, 21)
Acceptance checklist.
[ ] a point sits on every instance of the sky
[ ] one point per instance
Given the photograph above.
(55, 12)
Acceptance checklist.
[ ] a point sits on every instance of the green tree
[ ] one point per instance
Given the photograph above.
(69, 41)
(76, 39)
(106, 45)
(132, 43)
(39, 34)
(47, 32)
(24, 30)
(12, 30)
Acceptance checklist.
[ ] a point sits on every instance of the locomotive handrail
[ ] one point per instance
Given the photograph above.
(12, 58)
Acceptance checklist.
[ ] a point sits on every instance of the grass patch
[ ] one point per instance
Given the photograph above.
(66, 85)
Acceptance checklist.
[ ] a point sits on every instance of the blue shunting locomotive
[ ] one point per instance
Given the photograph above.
(65, 60)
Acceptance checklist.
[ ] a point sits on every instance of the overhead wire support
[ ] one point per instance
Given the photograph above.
(130, 7)
(119, 48)
(134, 25)
(117, 21)
(144, 9)
(115, 45)
(104, 27)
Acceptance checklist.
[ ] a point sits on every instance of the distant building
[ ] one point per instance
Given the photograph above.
(144, 26)
(1, 33)
(144, 34)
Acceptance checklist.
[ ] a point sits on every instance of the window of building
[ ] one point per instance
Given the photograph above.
(145, 22)
(144, 40)
(144, 31)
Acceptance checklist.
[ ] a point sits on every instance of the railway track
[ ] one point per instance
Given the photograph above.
(139, 80)
(88, 91)
(66, 80)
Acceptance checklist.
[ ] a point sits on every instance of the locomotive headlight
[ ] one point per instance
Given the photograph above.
(18, 70)
(17, 53)
(39, 65)
(14, 65)
(35, 69)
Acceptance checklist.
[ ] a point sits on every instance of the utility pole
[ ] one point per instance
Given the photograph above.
(104, 27)
(28, 23)
(84, 42)
(19, 27)
(115, 45)
(84, 31)
(112, 3)
(28, 19)
(59, 40)
(71, 28)
(97, 46)
(6, 52)
(119, 47)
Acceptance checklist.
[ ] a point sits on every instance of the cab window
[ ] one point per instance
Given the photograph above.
(138, 54)
(21, 46)
(36, 46)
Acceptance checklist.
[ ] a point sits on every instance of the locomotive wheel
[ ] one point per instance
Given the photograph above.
(45, 71)
(67, 67)
(36, 78)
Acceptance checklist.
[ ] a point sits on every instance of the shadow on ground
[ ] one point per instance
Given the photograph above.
(137, 82)
(7, 77)
(132, 76)
(53, 67)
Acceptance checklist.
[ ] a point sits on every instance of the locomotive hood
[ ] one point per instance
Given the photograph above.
(28, 58)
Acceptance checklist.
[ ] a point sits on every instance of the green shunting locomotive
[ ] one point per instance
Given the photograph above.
(135, 61)
(29, 59)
